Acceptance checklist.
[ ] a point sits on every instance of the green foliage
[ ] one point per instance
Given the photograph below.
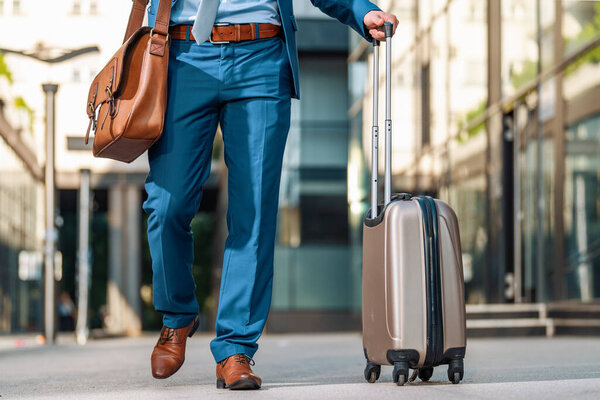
(589, 32)
(470, 116)
(20, 103)
(4, 71)
(526, 75)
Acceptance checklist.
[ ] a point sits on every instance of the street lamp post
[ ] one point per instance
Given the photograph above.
(51, 232)
(83, 258)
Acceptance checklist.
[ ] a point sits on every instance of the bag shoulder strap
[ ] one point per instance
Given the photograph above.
(136, 17)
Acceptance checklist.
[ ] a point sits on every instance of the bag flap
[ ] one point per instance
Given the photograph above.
(107, 82)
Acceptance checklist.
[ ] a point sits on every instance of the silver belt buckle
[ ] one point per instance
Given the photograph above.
(210, 39)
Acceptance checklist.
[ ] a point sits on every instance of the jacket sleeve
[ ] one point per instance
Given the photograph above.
(349, 12)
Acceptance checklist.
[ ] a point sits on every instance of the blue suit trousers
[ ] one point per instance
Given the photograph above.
(245, 87)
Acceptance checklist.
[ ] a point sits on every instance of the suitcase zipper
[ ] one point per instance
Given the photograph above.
(428, 281)
(435, 339)
(439, 328)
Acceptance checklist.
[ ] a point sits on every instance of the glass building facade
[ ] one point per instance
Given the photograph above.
(495, 111)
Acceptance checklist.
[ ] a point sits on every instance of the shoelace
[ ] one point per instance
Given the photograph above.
(242, 359)
(239, 358)
(166, 334)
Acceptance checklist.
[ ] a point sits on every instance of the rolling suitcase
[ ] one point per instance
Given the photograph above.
(413, 312)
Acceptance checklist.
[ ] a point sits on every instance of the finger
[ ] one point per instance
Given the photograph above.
(394, 21)
(376, 20)
(377, 34)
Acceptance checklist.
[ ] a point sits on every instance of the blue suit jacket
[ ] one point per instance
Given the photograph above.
(349, 12)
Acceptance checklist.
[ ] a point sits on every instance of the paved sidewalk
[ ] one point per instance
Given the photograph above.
(320, 366)
(20, 341)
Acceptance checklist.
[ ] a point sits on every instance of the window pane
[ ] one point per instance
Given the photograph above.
(76, 7)
(468, 198)
(582, 209)
(468, 66)
(519, 44)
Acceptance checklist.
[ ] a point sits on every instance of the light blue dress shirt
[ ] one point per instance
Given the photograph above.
(232, 11)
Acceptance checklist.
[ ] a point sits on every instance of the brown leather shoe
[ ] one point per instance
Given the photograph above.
(235, 373)
(169, 353)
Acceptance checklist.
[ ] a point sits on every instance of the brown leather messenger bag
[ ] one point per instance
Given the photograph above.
(127, 99)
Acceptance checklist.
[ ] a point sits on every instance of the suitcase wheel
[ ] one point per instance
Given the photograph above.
(425, 373)
(400, 373)
(456, 378)
(372, 372)
(455, 371)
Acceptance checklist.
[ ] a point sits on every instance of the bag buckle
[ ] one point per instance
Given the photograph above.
(93, 124)
(210, 38)
(167, 35)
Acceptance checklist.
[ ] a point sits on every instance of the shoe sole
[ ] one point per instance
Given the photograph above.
(240, 384)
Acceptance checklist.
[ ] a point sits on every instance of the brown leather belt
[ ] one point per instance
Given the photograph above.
(225, 33)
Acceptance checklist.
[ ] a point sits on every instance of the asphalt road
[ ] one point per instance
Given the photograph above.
(320, 366)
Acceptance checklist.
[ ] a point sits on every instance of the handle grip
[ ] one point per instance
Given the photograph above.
(389, 29)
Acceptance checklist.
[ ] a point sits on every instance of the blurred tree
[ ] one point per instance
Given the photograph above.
(527, 74)
(4, 71)
(471, 116)
(589, 32)
(20, 103)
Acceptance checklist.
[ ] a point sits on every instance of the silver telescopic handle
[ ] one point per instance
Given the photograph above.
(375, 129)
(388, 113)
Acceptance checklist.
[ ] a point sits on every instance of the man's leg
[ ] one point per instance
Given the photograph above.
(255, 120)
(179, 165)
